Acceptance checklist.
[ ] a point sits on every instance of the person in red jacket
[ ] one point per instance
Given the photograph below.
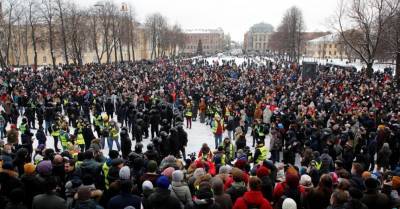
(253, 198)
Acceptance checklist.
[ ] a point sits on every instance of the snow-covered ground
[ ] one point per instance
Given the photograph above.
(197, 135)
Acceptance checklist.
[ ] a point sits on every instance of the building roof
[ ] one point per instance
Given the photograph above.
(262, 28)
(327, 38)
(197, 31)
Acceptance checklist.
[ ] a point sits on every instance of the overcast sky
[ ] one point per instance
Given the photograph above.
(233, 16)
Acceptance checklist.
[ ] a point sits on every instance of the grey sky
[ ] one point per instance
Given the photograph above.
(233, 16)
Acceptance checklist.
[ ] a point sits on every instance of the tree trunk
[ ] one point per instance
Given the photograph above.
(120, 49)
(129, 51)
(53, 59)
(2, 63)
(63, 32)
(35, 56)
(9, 37)
(398, 66)
(133, 53)
(370, 71)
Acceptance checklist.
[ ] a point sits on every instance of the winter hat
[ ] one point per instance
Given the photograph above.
(241, 164)
(371, 183)
(177, 176)
(113, 154)
(199, 172)
(163, 182)
(289, 203)
(291, 171)
(44, 168)
(29, 168)
(152, 166)
(334, 177)
(262, 171)
(305, 180)
(366, 175)
(147, 185)
(204, 193)
(225, 169)
(125, 173)
(237, 174)
(8, 165)
(84, 193)
(292, 180)
(396, 182)
(168, 172)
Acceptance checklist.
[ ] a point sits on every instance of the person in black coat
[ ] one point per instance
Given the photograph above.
(88, 135)
(183, 140)
(165, 145)
(109, 107)
(126, 144)
(154, 121)
(41, 136)
(161, 197)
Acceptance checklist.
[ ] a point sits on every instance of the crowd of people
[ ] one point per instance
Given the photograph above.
(328, 142)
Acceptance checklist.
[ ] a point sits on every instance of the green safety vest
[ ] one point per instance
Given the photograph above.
(22, 128)
(189, 113)
(79, 139)
(231, 151)
(97, 121)
(64, 139)
(55, 133)
(114, 133)
(105, 169)
(215, 125)
(259, 132)
(263, 155)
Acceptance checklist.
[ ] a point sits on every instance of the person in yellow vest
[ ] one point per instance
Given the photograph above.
(113, 154)
(113, 136)
(55, 134)
(229, 150)
(80, 140)
(261, 152)
(217, 127)
(104, 129)
(97, 121)
(188, 115)
(64, 138)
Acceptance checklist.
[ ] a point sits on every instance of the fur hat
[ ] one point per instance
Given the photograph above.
(289, 203)
(29, 168)
(125, 173)
(177, 176)
(147, 185)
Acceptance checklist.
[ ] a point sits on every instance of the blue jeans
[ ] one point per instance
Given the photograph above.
(110, 141)
(218, 140)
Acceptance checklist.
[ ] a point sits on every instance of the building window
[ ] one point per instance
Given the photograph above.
(44, 59)
(330, 53)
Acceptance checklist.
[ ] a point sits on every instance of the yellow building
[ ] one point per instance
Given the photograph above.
(256, 40)
(326, 47)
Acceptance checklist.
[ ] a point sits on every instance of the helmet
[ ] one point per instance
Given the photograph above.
(104, 116)
(163, 134)
(138, 146)
(156, 140)
(150, 146)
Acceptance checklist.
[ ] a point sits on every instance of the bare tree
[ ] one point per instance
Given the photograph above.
(33, 19)
(288, 38)
(154, 25)
(368, 18)
(61, 13)
(77, 22)
(47, 9)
